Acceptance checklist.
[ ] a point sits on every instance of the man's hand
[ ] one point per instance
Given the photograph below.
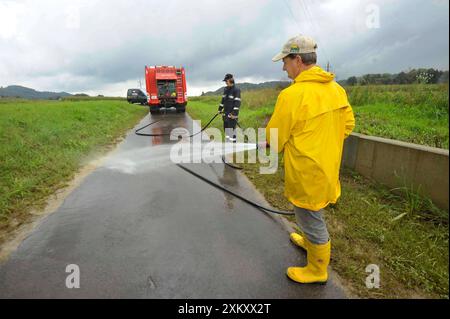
(263, 145)
(231, 116)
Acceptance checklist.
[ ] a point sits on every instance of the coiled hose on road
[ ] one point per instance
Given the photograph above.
(261, 208)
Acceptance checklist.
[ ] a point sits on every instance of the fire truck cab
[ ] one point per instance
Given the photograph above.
(166, 88)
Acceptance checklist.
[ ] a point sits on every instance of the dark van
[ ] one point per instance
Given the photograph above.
(137, 96)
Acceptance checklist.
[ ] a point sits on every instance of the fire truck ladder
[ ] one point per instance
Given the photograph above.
(179, 86)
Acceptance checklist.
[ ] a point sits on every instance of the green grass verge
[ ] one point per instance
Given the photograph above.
(410, 124)
(411, 113)
(373, 225)
(43, 143)
(405, 235)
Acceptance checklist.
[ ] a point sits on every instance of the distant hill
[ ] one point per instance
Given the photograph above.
(27, 93)
(251, 86)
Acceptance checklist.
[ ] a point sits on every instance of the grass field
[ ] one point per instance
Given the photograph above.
(43, 143)
(407, 236)
(410, 113)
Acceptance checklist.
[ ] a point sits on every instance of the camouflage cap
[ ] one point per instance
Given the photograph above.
(296, 45)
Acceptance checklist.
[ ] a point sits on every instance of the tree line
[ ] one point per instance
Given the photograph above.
(414, 76)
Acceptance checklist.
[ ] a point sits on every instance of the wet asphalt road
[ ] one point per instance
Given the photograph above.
(155, 231)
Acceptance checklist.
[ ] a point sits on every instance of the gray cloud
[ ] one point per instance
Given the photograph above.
(103, 46)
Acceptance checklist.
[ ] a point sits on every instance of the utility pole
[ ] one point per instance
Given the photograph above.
(140, 84)
(328, 66)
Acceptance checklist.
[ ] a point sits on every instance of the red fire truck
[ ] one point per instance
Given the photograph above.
(166, 87)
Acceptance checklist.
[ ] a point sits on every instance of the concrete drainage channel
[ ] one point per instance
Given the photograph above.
(400, 164)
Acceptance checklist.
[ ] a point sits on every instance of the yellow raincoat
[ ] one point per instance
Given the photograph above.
(313, 117)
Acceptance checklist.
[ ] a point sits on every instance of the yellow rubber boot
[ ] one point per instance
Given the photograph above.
(299, 240)
(316, 269)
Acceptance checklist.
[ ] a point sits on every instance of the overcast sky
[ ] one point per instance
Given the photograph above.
(101, 47)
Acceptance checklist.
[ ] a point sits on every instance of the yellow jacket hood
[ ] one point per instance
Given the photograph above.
(315, 74)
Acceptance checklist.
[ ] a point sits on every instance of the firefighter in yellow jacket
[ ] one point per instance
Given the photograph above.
(312, 117)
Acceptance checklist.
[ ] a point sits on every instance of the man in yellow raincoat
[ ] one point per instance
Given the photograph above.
(312, 117)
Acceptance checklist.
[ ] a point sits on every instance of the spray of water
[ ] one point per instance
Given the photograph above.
(143, 160)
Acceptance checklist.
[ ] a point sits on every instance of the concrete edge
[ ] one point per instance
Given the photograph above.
(419, 147)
